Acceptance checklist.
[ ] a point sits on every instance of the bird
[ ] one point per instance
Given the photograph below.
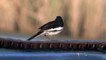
(51, 28)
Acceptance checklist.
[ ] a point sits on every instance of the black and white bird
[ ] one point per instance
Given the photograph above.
(50, 28)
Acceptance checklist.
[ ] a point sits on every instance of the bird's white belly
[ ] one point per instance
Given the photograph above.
(54, 31)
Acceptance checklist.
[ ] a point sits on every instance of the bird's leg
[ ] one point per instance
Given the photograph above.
(47, 37)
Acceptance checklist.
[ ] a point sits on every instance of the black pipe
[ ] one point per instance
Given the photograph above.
(65, 46)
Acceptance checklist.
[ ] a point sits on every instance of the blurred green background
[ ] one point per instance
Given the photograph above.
(84, 19)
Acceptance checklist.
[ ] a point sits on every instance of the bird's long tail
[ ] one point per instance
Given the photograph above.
(37, 34)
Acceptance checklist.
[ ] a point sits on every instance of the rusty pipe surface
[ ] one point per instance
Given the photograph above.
(9, 43)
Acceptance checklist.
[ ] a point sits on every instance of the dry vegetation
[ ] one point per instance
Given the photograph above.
(83, 18)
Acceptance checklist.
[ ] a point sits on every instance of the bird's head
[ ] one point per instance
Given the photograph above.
(59, 19)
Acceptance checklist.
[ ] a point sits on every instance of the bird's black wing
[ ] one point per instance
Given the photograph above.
(47, 25)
